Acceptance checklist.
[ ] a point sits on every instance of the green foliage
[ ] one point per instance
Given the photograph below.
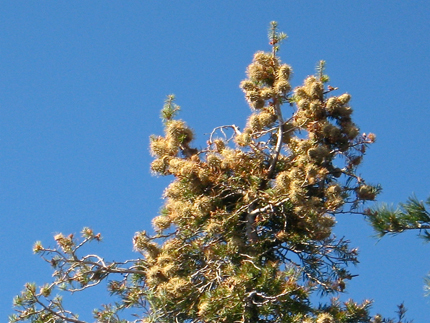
(275, 37)
(170, 109)
(245, 234)
(411, 215)
(320, 72)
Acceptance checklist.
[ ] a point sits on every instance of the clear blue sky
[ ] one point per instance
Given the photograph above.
(82, 83)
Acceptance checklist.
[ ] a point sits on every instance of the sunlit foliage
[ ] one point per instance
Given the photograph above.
(245, 233)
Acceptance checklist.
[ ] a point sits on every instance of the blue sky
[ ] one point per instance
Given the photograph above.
(82, 83)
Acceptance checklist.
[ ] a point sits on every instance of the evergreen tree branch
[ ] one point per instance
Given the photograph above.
(73, 274)
(412, 215)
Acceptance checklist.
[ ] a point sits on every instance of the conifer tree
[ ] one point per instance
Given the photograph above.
(245, 234)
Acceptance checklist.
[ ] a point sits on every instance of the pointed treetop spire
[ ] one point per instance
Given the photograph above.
(275, 37)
